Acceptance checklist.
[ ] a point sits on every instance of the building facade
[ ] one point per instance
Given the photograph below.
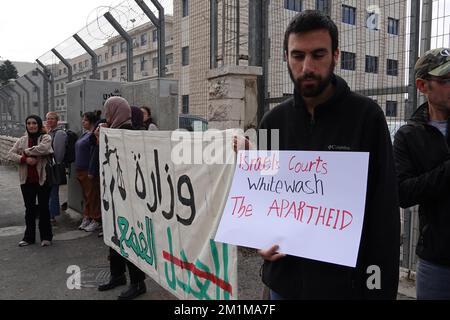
(371, 36)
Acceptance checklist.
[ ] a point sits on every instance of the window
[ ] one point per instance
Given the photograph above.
(34, 73)
(86, 63)
(295, 5)
(135, 43)
(99, 59)
(123, 70)
(123, 47)
(113, 50)
(35, 89)
(60, 72)
(371, 64)
(391, 108)
(105, 75)
(169, 59)
(74, 67)
(185, 6)
(35, 104)
(57, 102)
(143, 61)
(155, 63)
(185, 104)
(348, 60)
(62, 85)
(392, 67)
(114, 73)
(57, 86)
(143, 39)
(392, 26)
(65, 70)
(106, 56)
(185, 56)
(155, 35)
(62, 102)
(348, 15)
(323, 6)
(80, 66)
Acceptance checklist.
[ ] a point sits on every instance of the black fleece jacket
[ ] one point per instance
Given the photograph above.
(422, 157)
(346, 122)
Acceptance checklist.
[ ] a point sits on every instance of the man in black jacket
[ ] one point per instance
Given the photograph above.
(421, 151)
(324, 115)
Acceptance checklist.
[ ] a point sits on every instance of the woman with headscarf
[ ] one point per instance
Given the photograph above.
(137, 118)
(118, 116)
(148, 120)
(31, 153)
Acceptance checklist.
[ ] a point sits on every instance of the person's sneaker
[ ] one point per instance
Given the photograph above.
(94, 225)
(46, 243)
(113, 282)
(86, 221)
(134, 290)
(24, 243)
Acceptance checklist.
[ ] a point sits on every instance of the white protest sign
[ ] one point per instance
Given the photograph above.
(161, 213)
(309, 203)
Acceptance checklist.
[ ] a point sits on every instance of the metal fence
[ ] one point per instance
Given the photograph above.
(125, 42)
(379, 43)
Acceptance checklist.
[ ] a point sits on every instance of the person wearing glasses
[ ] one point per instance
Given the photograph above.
(31, 152)
(422, 156)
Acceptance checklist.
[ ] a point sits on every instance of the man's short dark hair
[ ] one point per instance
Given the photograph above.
(310, 20)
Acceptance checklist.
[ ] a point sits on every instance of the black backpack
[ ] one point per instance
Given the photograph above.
(69, 155)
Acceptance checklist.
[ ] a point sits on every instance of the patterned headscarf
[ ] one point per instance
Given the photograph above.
(117, 112)
(34, 136)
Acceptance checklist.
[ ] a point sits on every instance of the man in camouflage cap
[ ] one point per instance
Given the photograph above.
(435, 62)
(422, 156)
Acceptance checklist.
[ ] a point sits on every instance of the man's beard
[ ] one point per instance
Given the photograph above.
(312, 90)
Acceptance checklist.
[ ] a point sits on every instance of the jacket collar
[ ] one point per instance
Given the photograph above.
(421, 115)
(340, 92)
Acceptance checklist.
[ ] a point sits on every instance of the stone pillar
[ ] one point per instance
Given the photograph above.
(233, 96)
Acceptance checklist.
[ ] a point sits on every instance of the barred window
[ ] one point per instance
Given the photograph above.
(348, 60)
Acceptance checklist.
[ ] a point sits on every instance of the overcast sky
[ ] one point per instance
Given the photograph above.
(30, 28)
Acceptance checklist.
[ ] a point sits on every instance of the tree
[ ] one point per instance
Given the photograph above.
(7, 71)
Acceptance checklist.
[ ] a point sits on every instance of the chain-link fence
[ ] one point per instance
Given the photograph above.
(130, 41)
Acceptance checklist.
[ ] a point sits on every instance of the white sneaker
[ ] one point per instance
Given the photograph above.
(46, 243)
(86, 221)
(94, 225)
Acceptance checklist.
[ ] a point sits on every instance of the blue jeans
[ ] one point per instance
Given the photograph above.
(432, 281)
(53, 204)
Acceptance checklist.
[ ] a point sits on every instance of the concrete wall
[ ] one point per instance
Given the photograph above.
(160, 95)
(6, 143)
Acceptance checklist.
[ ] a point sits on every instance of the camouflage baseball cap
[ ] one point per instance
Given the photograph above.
(434, 62)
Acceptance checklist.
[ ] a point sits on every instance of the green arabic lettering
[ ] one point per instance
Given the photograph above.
(215, 256)
(203, 292)
(151, 241)
(123, 228)
(171, 282)
(226, 294)
(185, 287)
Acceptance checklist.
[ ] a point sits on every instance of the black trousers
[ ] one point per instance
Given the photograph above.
(117, 267)
(32, 211)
